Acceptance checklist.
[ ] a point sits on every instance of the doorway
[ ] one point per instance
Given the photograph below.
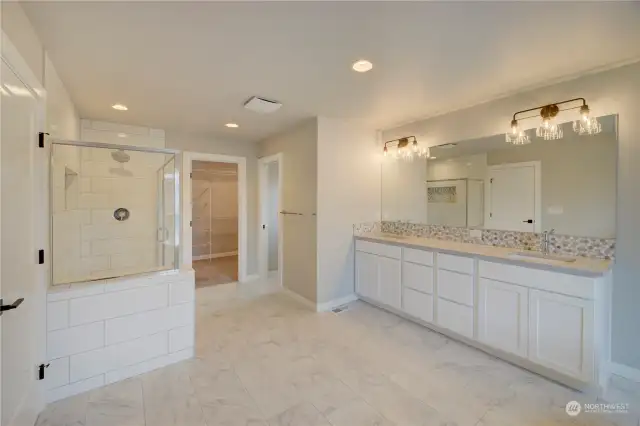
(514, 197)
(270, 226)
(214, 200)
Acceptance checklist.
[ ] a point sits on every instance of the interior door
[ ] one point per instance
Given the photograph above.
(512, 194)
(21, 328)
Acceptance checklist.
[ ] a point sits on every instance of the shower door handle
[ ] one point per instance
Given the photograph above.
(12, 306)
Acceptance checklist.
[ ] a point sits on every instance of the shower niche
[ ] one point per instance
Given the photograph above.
(114, 211)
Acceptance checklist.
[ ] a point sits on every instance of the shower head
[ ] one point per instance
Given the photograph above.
(120, 156)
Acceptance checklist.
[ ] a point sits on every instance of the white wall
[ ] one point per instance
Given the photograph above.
(348, 193)
(18, 28)
(273, 178)
(106, 331)
(209, 145)
(299, 186)
(612, 92)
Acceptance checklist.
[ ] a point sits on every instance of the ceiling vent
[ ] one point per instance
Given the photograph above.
(262, 106)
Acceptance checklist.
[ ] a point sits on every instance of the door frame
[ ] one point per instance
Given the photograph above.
(263, 239)
(187, 249)
(537, 190)
(11, 56)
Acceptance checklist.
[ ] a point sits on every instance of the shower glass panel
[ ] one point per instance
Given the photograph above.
(114, 211)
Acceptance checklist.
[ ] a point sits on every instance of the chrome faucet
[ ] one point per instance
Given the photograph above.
(545, 240)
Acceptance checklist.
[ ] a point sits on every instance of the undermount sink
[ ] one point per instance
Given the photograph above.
(539, 255)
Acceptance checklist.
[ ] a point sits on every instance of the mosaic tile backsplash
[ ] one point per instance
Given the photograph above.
(600, 248)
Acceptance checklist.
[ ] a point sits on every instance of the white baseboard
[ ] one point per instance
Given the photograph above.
(624, 371)
(332, 304)
(215, 255)
(320, 307)
(252, 277)
(300, 299)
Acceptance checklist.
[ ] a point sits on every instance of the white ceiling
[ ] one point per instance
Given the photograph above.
(190, 65)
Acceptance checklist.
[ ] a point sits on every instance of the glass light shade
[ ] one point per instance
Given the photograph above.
(549, 130)
(521, 138)
(587, 126)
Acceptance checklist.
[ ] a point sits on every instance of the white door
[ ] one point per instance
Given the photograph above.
(22, 328)
(503, 316)
(367, 275)
(512, 198)
(389, 282)
(561, 333)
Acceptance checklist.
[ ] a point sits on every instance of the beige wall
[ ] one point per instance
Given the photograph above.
(210, 145)
(300, 188)
(348, 180)
(578, 178)
(612, 92)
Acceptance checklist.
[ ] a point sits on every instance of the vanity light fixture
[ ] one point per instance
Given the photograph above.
(405, 148)
(548, 128)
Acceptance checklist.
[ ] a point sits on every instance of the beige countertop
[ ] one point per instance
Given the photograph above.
(582, 266)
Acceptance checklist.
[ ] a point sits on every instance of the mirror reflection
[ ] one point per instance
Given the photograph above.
(566, 184)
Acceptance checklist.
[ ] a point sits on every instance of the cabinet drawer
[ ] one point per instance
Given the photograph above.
(455, 263)
(556, 282)
(455, 317)
(418, 256)
(417, 277)
(455, 286)
(418, 304)
(379, 249)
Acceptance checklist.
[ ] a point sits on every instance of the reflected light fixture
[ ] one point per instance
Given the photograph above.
(405, 149)
(119, 107)
(548, 128)
(232, 125)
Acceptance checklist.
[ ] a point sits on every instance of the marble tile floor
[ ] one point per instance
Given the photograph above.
(217, 271)
(264, 360)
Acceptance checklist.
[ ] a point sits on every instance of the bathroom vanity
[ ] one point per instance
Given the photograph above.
(549, 316)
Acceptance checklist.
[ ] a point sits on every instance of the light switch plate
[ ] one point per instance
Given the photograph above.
(475, 233)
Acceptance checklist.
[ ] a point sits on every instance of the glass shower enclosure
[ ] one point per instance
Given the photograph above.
(114, 211)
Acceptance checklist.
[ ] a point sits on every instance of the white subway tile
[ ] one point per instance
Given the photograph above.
(135, 326)
(75, 388)
(93, 201)
(100, 185)
(57, 374)
(117, 304)
(146, 366)
(57, 315)
(85, 184)
(114, 357)
(182, 292)
(74, 340)
(94, 264)
(101, 216)
(181, 338)
(72, 291)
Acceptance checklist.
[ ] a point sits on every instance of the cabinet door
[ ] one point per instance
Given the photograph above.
(389, 283)
(417, 277)
(367, 275)
(561, 334)
(503, 316)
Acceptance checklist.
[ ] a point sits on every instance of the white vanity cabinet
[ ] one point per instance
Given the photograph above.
(418, 284)
(555, 323)
(503, 316)
(378, 273)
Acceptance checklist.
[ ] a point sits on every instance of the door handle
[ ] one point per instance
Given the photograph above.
(14, 305)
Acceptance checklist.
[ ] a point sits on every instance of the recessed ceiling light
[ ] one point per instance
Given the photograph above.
(119, 107)
(362, 66)
(122, 135)
(232, 125)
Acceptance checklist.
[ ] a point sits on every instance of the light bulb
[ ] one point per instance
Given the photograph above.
(514, 127)
(385, 152)
(415, 146)
(584, 112)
